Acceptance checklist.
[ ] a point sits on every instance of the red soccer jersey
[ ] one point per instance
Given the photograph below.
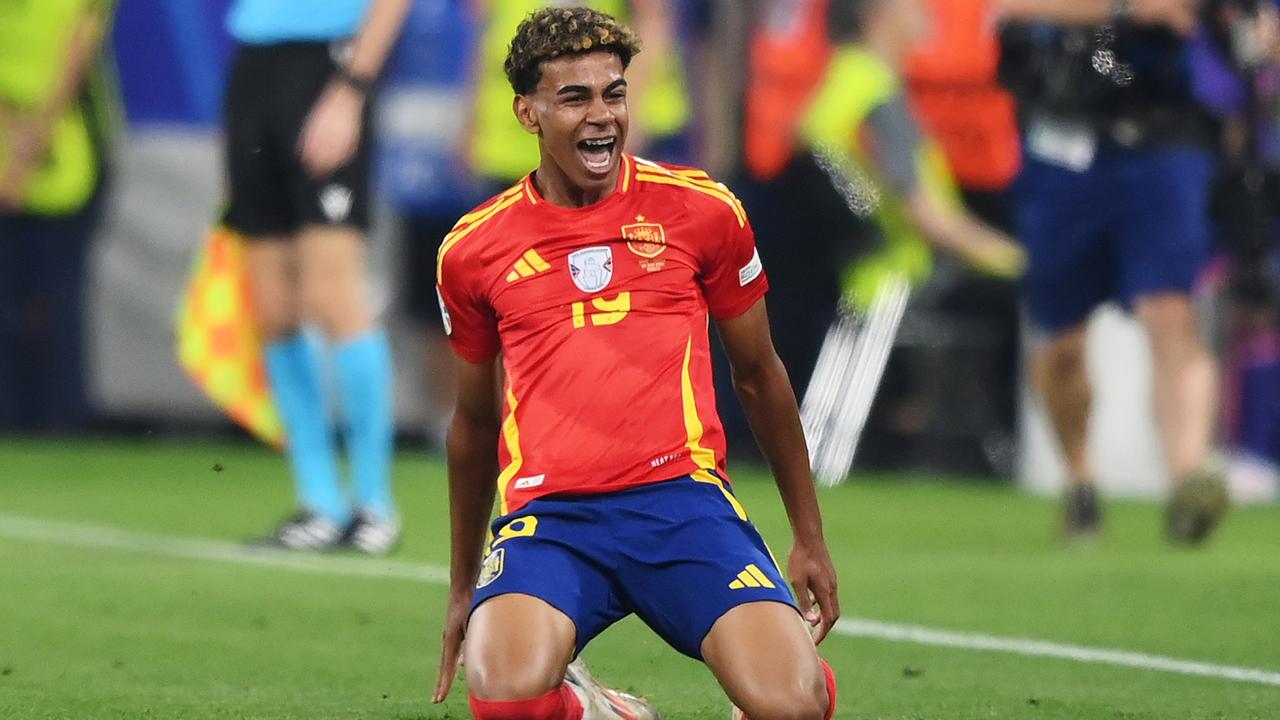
(601, 315)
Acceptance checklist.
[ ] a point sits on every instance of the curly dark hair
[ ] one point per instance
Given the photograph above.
(551, 32)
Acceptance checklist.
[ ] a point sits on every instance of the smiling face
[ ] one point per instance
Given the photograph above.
(579, 112)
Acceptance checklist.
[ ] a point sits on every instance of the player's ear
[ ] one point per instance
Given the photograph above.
(526, 113)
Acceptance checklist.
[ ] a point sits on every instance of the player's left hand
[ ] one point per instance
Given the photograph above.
(813, 578)
(332, 131)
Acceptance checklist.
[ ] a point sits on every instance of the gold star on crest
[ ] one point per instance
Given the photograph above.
(639, 218)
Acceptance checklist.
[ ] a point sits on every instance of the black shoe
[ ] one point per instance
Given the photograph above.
(1195, 508)
(372, 535)
(304, 530)
(1081, 513)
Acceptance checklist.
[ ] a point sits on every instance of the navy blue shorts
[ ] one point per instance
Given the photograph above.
(1134, 224)
(678, 554)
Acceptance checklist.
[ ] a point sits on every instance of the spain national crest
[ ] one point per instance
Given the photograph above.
(591, 268)
(645, 239)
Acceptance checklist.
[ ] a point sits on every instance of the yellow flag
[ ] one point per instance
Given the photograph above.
(218, 345)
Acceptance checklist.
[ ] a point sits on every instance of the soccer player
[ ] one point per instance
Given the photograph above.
(297, 157)
(595, 277)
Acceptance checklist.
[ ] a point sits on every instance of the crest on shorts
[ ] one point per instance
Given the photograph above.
(591, 268)
(646, 239)
(492, 568)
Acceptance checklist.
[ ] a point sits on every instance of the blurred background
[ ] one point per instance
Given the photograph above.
(733, 84)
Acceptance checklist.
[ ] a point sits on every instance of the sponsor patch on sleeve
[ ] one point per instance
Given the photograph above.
(444, 313)
(751, 270)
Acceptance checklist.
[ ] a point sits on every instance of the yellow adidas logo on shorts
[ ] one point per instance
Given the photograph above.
(751, 577)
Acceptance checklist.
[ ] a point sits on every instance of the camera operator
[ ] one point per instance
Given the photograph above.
(1113, 205)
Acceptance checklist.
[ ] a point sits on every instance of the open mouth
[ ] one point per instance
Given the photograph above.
(597, 153)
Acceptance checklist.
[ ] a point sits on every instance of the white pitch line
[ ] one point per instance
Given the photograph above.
(83, 535)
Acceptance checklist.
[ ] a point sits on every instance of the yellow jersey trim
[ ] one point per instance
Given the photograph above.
(692, 423)
(511, 435)
(662, 176)
(505, 201)
(710, 478)
(527, 185)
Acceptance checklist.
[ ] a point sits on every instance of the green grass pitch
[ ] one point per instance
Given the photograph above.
(92, 627)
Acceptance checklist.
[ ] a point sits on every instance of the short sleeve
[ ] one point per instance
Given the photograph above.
(469, 319)
(733, 277)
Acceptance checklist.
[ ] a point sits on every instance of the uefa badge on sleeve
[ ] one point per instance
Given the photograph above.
(444, 313)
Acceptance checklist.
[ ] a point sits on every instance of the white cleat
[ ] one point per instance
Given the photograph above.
(602, 703)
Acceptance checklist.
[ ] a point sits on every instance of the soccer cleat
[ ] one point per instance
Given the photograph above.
(371, 535)
(1195, 508)
(602, 703)
(1081, 513)
(303, 531)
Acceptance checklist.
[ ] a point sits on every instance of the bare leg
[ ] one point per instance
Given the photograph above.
(271, 264)
(517, 647)
(1059, 373)
(331, 277)
(766, 662)
(1184, 381)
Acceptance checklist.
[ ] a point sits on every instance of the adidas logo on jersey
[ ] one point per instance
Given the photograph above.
(752, 576)
(529, 264)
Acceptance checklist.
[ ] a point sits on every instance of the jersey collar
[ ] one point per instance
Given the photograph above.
(626, 179)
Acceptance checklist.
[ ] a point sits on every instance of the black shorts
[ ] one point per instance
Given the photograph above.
(270, 91)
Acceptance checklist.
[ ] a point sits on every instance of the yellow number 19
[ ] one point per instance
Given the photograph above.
(604, 310)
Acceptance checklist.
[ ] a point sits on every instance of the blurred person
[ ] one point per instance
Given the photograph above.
(296, 114)
(860, 120)
(421, 171)
(783, 189)
(595, 277)
(1112, 205)
(56, 123)
(1236, 76)
(954, 93)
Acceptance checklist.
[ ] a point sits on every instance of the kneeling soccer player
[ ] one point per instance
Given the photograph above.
(595, 276)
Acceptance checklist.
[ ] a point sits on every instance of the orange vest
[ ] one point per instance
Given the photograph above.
(789, 53)
(951, 81)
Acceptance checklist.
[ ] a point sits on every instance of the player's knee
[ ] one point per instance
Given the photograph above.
(799, 698)
(495, 681)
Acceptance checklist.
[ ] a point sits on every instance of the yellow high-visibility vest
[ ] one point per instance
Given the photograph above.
(34, 38)
(856, 82)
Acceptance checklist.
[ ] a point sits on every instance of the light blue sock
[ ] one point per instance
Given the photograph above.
(294, 372)
(364, 380)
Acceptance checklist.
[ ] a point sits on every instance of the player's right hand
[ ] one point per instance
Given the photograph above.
(455, 626)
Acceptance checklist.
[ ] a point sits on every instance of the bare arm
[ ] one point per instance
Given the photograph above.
(332, 130)
(472, 451)
(1179, 15)
(979, 245)
(27, 133)
(762, 385)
